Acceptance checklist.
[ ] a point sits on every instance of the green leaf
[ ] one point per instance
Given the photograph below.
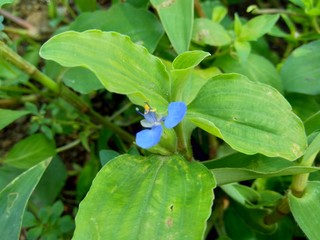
(107, 155)
(257, 27)
(243, 50)
(250, 117)
(8, 116)
(122, 66)
(256, 68)
(13, 200)
(51, 184)
(306, 211)
(152, 197)
(177, 19)
(2, 2)
(86, 5)
(312, 123)
(183, 78)
(211, 33)
(300, 72)
(240, 167)
(81, 80)
(145, 29)
(30, 151)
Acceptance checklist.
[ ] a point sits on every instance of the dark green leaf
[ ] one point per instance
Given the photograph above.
(256, 68)
(86, 5)
(122, 18)
(30, 151)
(9, 116)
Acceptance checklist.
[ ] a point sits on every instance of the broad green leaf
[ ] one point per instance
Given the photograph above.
(256, 68)
(107, 155)
(138, 3)
(152, 197)
(250, 117)
(51, 184)
(81, 80)
(306, 211)
(14, 198)
(145, 29)
(7, 174)
(9, 116)
(257, 27)
(86, 5)
(177, 19)
(30, 151)
(240, 167)
(300, 72)
(122, 66)
(211, 33)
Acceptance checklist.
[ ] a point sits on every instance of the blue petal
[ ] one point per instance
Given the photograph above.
(150, 117)
(147, 138)
(176, 112)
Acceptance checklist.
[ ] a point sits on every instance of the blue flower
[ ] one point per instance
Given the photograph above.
(149, 137)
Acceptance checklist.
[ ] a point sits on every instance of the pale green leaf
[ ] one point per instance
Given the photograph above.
(122, 66)
(243, 50)
(153, 197)
(182, 74)
(306, 211)
(145, 29)
(13, 200)
(30, 151)
(177, 19)
(8, 116)
(256, 68)
(257, 27)
(240, 167)
(300, 72)
(250, 117)
(211, 33)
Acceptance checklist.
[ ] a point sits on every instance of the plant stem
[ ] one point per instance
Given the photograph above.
(199, 9)
(68, 146)
(280, 211)
(60, 90)
(184, 141)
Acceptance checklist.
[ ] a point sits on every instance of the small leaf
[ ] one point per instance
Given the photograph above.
(306, 211)
(177, 19)
(257, 27)
(240, 167)
(250, 117)
(122, 66)
(300, 72)
(134, 197)
(8, 116)
(243, 50)
(211, 33)
(30, 151)
(189, 59)
(106, 155)
(13, 200)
